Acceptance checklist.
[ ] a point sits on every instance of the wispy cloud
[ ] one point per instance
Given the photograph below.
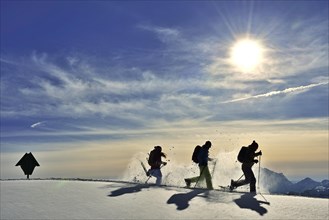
(60, 91)
(273, 93)
(165, 34)
(182, 77)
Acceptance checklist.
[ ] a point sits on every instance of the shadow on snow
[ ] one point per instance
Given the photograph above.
(248, 201)
(182, 200)
(126, 190)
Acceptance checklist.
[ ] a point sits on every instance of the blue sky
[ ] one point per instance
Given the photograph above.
(84, 76)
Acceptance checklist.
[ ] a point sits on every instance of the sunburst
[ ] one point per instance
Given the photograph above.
(246, 55)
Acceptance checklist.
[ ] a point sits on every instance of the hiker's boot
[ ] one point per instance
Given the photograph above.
(188, 183)
(253, 188)
(232, 186)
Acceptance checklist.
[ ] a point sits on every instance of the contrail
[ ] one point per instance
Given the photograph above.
(37, 124)
(289, 90)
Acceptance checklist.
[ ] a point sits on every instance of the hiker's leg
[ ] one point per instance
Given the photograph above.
(198, 178)
(194, 179)
(252, 182)
(250, 177)
(157, 173)
(246, 175)
(207, 175)
(240, 183)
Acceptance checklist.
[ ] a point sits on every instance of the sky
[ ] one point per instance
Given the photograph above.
(87, 85)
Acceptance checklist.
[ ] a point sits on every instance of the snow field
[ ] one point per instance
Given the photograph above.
(63, 199)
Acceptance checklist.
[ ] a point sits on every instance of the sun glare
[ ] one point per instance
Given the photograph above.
(246, 55)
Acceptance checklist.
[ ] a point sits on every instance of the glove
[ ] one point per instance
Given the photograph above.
(255, 161)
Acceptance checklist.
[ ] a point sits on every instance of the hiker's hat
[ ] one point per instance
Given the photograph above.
(158, 148)
(208, 144)
(254, 144)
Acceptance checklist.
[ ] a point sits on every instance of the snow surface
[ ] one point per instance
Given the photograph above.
(64, 199)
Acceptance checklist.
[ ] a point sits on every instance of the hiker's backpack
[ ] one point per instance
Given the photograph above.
(152, 158)
(243, 153)
(196, 153)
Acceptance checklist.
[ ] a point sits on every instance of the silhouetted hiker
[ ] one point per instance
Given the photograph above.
(155, 162)
(202, 157)
(247, 157)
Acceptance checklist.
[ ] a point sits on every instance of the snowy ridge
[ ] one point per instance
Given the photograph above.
(141, 184)
(107, 199)
(306, 187)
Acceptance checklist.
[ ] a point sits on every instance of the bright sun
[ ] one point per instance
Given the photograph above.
(246, 54)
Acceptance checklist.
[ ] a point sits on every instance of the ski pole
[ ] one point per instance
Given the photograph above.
(148, 178)
(259, 171)
(213, 169)
(258, 181)
(240, 177)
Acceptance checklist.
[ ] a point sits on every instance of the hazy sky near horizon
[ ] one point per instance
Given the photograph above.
(86, 85)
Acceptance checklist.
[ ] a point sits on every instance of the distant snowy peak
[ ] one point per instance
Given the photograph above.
(277, 183)
(307, 180)
(305, 184)
(281, 176)
(274, 182)
(309, 187)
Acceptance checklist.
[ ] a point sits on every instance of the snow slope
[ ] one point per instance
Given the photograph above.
(63, 199)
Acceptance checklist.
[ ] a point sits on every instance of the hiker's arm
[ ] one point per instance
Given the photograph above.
(259, 153)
